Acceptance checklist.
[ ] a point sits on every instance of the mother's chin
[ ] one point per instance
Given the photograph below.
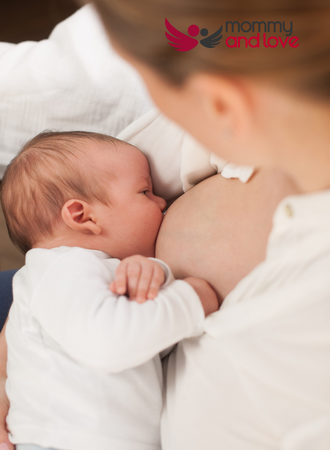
(219, 229)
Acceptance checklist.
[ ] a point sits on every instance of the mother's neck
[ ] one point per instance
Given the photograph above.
(298, 135)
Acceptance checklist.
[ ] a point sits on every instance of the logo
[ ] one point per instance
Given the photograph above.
(183, 43)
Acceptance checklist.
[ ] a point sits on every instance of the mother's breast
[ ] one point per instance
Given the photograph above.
(218, 230)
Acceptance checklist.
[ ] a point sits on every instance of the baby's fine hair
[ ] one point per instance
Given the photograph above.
(49, 170)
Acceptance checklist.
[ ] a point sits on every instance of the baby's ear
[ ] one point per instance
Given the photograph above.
(78, 215)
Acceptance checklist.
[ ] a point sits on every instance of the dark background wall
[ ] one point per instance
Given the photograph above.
(22, 20)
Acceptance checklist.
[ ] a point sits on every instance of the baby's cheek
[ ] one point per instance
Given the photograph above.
(149, 225)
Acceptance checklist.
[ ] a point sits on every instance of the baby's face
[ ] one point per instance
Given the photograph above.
(133, 217)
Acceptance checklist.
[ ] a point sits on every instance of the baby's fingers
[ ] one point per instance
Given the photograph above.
(156, 282)
(119, 286)
(144, 282)
(112, 287)
(133, 276)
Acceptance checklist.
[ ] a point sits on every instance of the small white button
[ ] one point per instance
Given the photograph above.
(288, 210)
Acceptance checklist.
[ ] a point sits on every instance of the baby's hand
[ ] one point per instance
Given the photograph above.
(206, 293)
(139, 277)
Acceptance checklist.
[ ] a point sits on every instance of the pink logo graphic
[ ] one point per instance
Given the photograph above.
(183, 43)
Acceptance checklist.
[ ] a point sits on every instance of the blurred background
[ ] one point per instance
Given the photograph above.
(26, 20)
(32, 20)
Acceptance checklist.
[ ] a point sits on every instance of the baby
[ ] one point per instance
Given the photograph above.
(83, 360)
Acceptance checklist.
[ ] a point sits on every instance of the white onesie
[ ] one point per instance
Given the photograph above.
(83, 364)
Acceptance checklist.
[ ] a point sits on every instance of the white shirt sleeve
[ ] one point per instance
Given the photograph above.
(160, 140)
(100, 329)
(198, 163)
(310, 435)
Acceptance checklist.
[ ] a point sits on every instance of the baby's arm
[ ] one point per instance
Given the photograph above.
(142, 278)
(108, 332)
(139, 277)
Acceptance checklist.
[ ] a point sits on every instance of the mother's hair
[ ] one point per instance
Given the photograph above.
(138, 27)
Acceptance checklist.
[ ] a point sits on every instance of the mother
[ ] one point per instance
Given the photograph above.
(259, 376)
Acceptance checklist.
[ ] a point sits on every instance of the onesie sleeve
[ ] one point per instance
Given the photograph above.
(169, 278)
(77, 311)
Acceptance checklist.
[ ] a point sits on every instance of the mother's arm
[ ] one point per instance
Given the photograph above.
(6, 299)
(4, 404)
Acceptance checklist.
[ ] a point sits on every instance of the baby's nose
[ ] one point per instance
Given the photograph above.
(162, 203)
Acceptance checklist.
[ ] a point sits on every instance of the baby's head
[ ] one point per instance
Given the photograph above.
(81, 189)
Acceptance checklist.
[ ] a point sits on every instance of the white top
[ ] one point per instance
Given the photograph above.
(259, 378)
(83, 365)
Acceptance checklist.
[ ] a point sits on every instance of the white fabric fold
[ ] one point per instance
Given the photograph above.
(72, 81)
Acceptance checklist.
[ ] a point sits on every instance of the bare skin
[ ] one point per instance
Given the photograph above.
(4, 404)
(218, 230)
